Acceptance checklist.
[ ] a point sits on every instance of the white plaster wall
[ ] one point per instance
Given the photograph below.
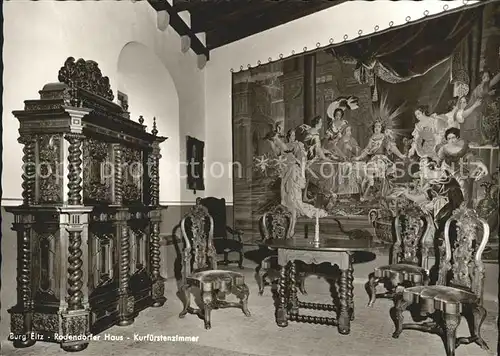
(151, 92)
(39, 36)
(345, 19)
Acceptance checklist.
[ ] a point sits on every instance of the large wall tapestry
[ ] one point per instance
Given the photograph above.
(350, 130)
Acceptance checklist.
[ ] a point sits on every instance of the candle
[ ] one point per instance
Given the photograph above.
(316, 230)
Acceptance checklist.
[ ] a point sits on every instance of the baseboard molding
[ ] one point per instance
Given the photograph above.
(11, 201)
(18, 201)
(186, 202)
(177, 203)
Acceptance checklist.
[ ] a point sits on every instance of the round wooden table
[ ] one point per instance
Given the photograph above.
(334, 251)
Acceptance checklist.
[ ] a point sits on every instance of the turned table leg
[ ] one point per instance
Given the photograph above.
(281, 312)
(345, 296)
(292, 282)
(350, 288)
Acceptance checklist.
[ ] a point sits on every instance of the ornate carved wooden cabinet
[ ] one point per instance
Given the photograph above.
(88, 228)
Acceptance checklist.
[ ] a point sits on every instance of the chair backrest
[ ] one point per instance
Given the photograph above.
(197, 231)
(276, 223)
(414, 230)
(217, 210)
(465, 237)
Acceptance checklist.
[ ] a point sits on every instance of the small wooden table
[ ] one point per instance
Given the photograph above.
(334, 251)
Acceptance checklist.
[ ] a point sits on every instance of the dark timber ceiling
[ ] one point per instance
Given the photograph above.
(226, 21)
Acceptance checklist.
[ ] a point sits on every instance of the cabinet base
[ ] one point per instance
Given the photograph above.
(21, 344)
(125, 322)
(159, 302)
(74, 348)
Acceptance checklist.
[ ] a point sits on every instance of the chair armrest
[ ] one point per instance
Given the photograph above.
(235, 232)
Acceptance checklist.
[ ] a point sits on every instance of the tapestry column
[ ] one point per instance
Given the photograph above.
(242, 146)
(475, 44)
(293, 93)
(475, 132)
(73, 219)
(158, 287)
(309, 87)
(471, 128)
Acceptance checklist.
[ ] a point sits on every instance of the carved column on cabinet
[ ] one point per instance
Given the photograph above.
(22, 313)
(154, 177)
(75, 318)
(118, 168)
(75, 168)
(158, 288)
(75, 310)
(126, 299)
(75, 264)
(29, 169)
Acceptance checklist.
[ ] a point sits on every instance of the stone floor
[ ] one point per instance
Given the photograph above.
(233, 334)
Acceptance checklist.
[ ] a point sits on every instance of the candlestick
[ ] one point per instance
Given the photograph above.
(316, 230)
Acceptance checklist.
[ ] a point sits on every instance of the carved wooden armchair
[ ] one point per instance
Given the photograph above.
(275, 224)
(414, 234)
(459, 290)
(199, 269)
(226, 239)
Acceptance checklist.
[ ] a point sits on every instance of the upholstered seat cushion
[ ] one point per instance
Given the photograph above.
(227, 245)
(401, 272)
(443, 298)
(217, 280)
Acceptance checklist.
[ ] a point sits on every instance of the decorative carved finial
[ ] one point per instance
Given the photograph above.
(73, 94)
(154, 131)
(141, 120)
(86, 75)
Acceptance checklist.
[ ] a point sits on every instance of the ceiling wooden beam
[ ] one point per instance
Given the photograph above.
(217, 16)
(226, 21)
(208, 5)
(180, 26)
(259, 22)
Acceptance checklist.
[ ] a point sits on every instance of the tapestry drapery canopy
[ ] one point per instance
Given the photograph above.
(410, 51)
